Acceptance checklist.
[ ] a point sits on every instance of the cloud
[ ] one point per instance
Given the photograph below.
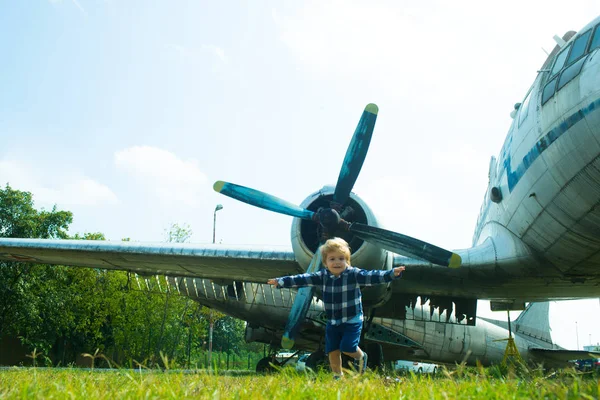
(219, 52)
(51, 187)
(414, 48)
(83, 191)
(163, 174)
(332, 36)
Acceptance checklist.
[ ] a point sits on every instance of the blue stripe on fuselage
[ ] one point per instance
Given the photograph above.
(513, 177)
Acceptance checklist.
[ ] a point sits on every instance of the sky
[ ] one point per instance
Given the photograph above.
(126, 113)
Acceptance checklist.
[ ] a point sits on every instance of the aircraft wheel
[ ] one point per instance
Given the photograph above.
(317, 361)
(266, 365)
(375, 353)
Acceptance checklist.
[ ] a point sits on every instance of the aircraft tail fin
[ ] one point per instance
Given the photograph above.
(535, 322)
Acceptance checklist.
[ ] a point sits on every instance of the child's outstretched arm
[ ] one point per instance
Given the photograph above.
(377, 277)
(301, 280)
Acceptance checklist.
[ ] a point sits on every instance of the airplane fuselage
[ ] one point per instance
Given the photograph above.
(544, 188)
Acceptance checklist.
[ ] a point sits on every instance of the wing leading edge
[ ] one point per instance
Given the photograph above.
(562, 356)
(250, 264)
(501, 267)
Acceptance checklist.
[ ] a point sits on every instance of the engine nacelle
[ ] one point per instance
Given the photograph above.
(305, 239)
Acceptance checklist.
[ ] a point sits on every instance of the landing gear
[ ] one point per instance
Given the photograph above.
(374, 350)
(317, 361)
(375, 361)
(267, 365)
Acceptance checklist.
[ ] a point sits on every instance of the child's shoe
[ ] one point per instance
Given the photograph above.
(363, 362)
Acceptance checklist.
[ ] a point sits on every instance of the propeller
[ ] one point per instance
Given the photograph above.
(329, 218)
(406, 245)
(331, 221)
(356, 154)
(300, 307)
(261, 199)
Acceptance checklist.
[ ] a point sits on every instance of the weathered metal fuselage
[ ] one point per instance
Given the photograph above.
(437, 337)
(544, 188)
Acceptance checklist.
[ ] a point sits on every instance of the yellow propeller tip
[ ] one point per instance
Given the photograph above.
(372, 108)
(455, 261)
(286, 342)
(218, 186)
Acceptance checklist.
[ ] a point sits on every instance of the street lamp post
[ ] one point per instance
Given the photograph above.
(217, 208)
(211, 324)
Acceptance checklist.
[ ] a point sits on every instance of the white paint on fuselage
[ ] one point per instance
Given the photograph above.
(552, 208)
(452, 343)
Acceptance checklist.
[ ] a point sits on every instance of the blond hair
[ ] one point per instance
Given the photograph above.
(335, 244)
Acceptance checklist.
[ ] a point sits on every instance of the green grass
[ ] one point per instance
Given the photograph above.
(462, 383)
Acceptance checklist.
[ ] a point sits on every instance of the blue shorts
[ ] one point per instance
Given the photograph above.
(344, 337)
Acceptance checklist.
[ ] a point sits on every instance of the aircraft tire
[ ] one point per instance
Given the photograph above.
(375, 353)
(317, 360)
(265, 365)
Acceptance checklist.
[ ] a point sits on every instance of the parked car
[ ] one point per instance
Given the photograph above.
(415, 366)
(590, 364)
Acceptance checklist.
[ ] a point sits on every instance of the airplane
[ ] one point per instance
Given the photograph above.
(537, 237)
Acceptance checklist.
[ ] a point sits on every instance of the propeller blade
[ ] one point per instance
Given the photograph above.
(356, 153)
(300, 306)
(406, 245)
(261, 199)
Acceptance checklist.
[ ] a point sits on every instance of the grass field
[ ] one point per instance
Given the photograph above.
(463, 383)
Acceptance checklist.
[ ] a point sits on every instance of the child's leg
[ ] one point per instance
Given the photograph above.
(349, 344)
(333, 336)
(335, 361)
(356, 355)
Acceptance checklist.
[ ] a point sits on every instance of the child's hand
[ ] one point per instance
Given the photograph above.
(398, 271)
(273, 282)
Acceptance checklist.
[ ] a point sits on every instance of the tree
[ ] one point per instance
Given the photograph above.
(21, 283)
(178, 234)
(65, 311)
(18, 218)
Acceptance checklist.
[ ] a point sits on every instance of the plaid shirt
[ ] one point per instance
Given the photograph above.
(341, 294)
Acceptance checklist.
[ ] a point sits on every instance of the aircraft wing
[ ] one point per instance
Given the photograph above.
(217, 262)
(563, 355)
(494, 270)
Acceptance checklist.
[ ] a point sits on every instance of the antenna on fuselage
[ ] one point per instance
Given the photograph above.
(559, 41)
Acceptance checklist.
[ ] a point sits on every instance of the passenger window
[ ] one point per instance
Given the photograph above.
(560, 61)
(579, 47)
(596, 39)
(548, 90)
(570, 73)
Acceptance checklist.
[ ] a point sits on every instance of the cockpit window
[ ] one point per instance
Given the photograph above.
(570, 72)
(579, 47)
(596, 39)
(570, 60)
(560, 60)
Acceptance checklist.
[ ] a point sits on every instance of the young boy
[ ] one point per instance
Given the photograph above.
(342, 298)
